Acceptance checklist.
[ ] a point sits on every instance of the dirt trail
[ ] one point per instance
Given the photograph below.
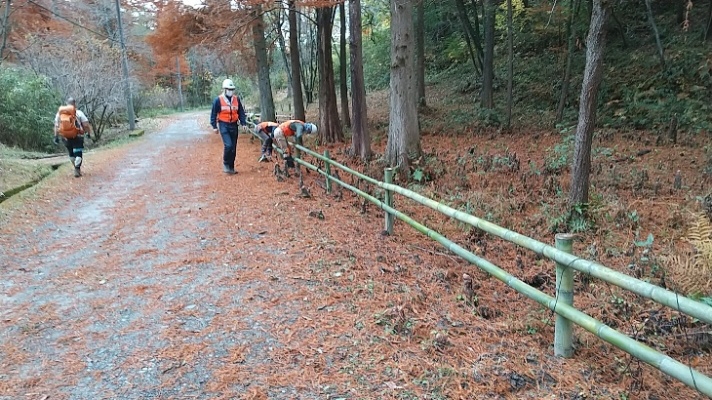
(125, 287)
(156, 276)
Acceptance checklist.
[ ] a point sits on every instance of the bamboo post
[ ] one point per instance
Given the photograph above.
(388, 177)
(684, 373)
(564, 295)
(660, 295)
(327, 168)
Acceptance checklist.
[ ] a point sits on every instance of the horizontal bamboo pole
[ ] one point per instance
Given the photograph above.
(664, 363)
(671, 299)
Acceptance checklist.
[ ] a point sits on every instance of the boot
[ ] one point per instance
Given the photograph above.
(263, 158)
(77, 172)
(228, 169)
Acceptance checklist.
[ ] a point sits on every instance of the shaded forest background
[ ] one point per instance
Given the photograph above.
(491, 129)
(656, 77)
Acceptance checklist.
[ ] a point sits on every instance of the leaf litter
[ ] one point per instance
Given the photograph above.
(211, 291)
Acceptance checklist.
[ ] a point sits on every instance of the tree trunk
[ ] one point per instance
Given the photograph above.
(5, 30)
(488, 68)
(298, 99)
(343, 85)
(403, 131)
(709, 23)
(573, 7)
(592, 77)
(125, 71)
(309, 63)
(267, 112)
(680, 11)
(360, 138)
(476, 32)
(471, 34)
(180, 83)
(420, 50)
(654, 27)
(510, 64)
(283, 50)
(330, 130)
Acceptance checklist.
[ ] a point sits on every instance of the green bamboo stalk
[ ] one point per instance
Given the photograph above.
(673, 300)
(664, 363)
(388, 197)
(564, 295)
(327, 168)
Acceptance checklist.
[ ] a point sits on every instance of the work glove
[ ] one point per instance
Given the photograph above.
(289, 161)
(56, 140)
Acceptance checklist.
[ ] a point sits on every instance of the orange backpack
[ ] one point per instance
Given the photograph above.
(68, 125)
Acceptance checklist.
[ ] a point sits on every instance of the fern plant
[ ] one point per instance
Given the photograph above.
(692, 273)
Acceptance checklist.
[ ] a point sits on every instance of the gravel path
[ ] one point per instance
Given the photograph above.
(141, 279)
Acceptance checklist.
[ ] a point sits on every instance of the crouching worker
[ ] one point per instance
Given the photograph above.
(265, 131)
(72, 125)
(292, 128)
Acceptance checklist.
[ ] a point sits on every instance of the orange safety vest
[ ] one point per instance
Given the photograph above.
(228, 111)
(286, 126)
(264, 126)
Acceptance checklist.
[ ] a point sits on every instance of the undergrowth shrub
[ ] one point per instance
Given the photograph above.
(25, 121)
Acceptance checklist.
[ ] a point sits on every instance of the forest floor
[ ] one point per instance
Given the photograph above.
(155, 275)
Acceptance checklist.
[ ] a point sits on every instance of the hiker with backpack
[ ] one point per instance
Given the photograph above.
(225, 115)
(72, 124)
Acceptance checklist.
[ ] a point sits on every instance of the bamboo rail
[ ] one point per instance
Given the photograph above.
(664, 363)
(673, 300)
(561, 305)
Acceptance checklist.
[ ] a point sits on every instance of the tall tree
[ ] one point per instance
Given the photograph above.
(707, 35)
(180, 83)
(570, 48)
(360, 138)
(343, 86)
(488, 68)
(125, 71)
(309, 63)
(472, 35)
(283, 50)
(510, 64)
(330, 129)
(267, 112)
(592, 77)
(403, 130)
(654, 27)
(420, 50)
(298, 98)
(5, 30)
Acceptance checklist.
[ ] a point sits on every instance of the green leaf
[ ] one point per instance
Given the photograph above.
(418, 175)
(647, 243)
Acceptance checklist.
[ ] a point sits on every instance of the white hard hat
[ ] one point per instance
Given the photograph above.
(227, 84)
(310, 128)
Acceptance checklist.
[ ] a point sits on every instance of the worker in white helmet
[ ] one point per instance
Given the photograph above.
(291, 128)
(227, 112)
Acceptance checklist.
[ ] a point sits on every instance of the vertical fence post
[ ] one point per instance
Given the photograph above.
(327, 169)
(565, 295)
(388, 199)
